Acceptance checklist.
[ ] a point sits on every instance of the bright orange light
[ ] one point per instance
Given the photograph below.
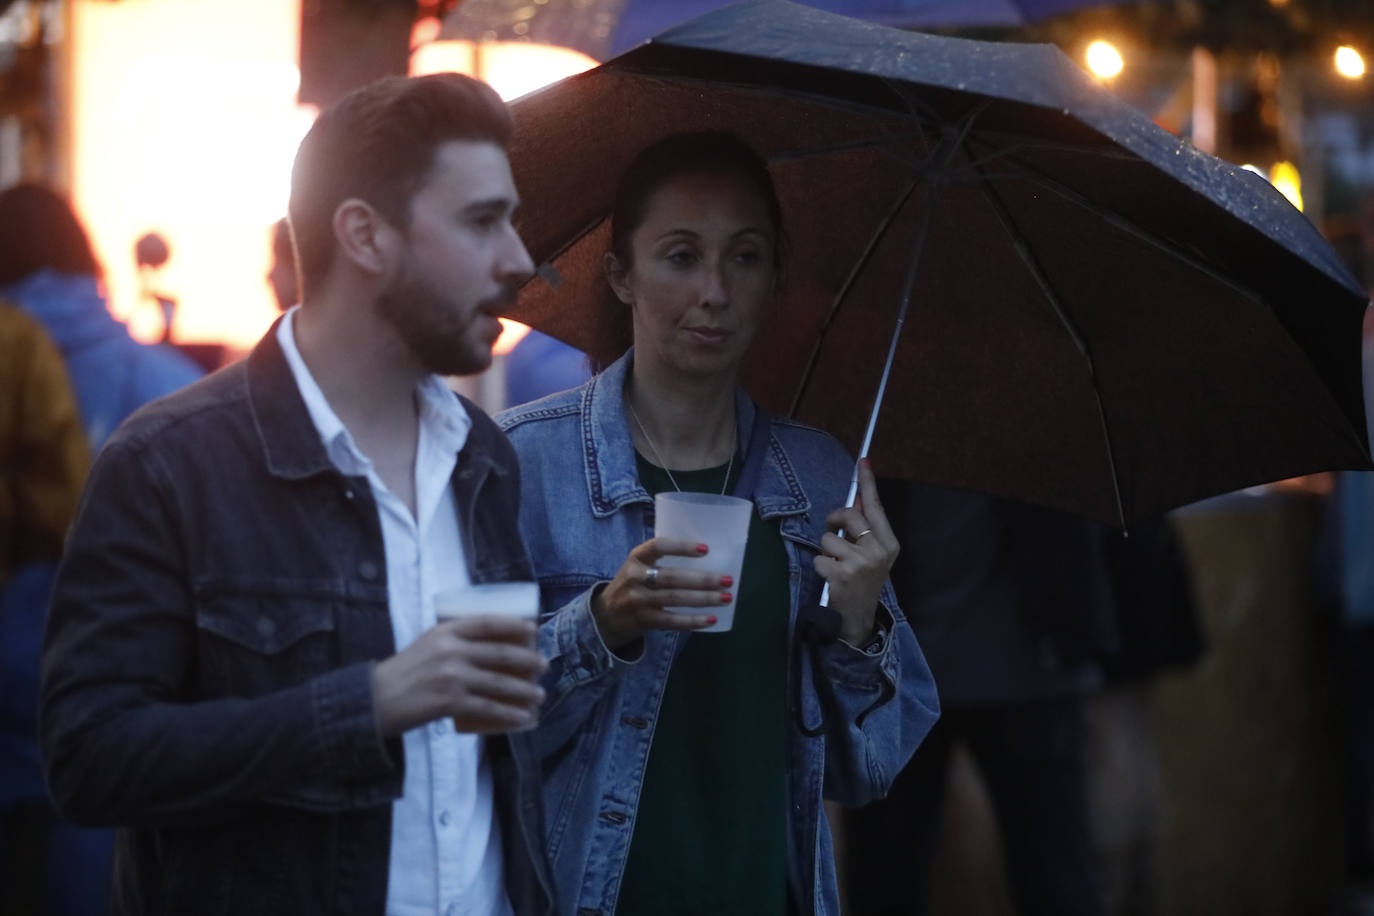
(1284, 176)
(185, 123)
(512, 332)
(1104, 60)
(513, 68)
(1349, 63)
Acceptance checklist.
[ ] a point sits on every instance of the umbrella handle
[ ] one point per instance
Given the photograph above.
(853, 491)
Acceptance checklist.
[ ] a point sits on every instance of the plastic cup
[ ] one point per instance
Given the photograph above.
(510, 599)
(507, 599)
(719, 522)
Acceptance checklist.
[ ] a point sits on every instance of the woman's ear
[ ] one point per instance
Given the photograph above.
(617, 276)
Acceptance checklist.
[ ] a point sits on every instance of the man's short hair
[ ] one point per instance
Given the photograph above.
(378, 144)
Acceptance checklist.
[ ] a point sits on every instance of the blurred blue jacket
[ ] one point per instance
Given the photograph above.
(112, 374)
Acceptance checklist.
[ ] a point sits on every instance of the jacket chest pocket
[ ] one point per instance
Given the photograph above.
(254, 644)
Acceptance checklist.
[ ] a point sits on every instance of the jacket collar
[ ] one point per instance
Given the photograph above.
(289, 440)
(613, 479)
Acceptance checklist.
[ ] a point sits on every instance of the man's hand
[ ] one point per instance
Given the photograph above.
(479, 670)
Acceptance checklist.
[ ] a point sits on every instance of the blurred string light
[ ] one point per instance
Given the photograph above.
(1349, 63)
(1283, 175)
(1104, 60)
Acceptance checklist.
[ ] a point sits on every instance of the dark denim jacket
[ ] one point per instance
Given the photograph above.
(208, 660)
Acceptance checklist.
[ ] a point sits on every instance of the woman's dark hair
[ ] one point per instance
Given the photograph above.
(696, 153)
(39, 230)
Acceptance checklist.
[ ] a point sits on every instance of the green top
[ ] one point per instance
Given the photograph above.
(710, 833)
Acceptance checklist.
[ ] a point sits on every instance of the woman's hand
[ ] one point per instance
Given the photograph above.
(857, 565)
(634, 602)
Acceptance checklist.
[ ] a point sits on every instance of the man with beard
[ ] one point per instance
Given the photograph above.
(243, 668)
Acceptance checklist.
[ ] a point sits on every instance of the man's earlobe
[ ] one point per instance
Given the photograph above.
(358, 228)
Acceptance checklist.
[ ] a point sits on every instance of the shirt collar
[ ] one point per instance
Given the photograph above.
(442, 415)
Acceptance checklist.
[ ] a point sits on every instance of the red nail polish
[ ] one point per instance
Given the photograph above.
(727, 581)
(702, 548)
(724, 597)
(711, 621)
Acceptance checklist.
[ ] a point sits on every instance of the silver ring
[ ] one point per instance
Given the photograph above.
(651, 577)
(861, 534)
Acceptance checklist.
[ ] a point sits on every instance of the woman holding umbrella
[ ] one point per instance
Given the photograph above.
(676, 780)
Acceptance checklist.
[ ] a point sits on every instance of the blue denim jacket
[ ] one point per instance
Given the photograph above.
(582, 509)
(207, 668)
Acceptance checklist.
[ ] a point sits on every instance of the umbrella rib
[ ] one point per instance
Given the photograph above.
(944, 154)
(950, 144)
(558, 252)
(922, 111)
(777, 92)
(811, 152)
(1119, 222)
(883, 225)
(1047, 290)
(1016, 143)
(1033, 175)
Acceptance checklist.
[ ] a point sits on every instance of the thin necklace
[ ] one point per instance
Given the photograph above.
(663, 464)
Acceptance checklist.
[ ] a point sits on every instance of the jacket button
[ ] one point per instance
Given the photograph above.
(349, 494)
(265, 626)
(368, 570)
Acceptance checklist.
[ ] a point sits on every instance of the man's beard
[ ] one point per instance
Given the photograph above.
(432, 327)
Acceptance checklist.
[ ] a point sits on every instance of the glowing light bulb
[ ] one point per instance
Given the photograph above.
(1104, 60)
(1349, 63)
(1284, 176)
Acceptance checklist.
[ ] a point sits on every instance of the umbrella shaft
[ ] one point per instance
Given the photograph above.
(908, 284)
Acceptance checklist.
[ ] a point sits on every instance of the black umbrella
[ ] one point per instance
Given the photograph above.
(602, 28)
(1062, 302)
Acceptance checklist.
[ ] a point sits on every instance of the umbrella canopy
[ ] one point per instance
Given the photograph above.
(602, 28)
(1102, 319)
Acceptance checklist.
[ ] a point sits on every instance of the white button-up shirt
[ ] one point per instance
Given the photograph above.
(445, 840)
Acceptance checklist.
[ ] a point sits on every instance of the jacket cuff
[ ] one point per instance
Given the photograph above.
(346, 721)
(864, 666)
(578, 641)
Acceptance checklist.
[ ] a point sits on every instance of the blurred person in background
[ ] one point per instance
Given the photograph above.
(1012, 605)
(1346, 573)
(43, 461)
(1159, 631)
(540, 365)
(48, 268)
(151, 254)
